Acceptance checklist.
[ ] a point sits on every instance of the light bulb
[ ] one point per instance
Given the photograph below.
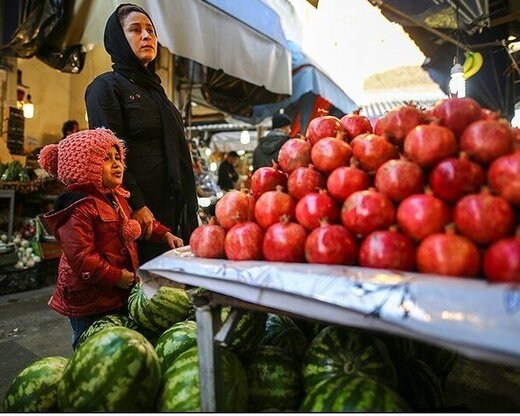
(213, 166)
(515, 121)
(207, 152)
(457, 83)
(28, 108)
(245, 137)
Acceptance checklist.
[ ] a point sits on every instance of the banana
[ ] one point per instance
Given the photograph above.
(468, 62)
(477, 60)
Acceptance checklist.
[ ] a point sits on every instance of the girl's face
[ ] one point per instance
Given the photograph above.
(141, 37)
(112, 169)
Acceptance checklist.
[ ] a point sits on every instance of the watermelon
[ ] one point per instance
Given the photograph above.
(107, 321)
(248, 332)
(439, 359)
(181, 389)
(282, 332)
(35, 389)
(352, 394)
(115, 370)
(168, 306)
(309, 328)
(399, 348)
(174, 341)
(274, 379)
(338, 352)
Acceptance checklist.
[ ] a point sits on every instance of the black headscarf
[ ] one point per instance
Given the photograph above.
(180, 169)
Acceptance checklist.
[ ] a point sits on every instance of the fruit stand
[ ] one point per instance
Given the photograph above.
(452, 313)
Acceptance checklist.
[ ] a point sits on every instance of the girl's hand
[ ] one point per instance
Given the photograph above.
(145, 219)
(126, 280)
(172, 240)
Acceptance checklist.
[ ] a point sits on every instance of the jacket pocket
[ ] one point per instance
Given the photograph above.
(79, 295)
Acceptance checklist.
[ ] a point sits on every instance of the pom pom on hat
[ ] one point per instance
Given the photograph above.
(48, 159)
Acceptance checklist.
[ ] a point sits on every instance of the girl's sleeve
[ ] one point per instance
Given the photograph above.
(76, 236)
(158, 232)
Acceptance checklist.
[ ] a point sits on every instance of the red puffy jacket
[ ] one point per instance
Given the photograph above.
(94, 254)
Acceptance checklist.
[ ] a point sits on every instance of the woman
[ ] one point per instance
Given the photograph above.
(132, 103)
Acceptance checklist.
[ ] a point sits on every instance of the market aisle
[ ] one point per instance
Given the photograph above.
(29, 330)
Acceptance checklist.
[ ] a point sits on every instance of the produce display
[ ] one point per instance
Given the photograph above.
(429, 190)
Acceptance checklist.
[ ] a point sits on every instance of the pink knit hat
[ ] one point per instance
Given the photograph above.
(79, 158)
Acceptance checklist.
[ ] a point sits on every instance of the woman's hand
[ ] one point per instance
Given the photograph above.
(126, 280)
(172, 240)
(145, 219)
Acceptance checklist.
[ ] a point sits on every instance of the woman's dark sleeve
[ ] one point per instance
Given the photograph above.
(104, 110)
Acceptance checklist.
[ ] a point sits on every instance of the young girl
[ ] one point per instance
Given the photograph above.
(92, 222)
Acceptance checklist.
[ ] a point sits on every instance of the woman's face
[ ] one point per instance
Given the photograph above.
(141, 37)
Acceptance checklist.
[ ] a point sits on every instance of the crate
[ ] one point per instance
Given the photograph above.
(15, 280)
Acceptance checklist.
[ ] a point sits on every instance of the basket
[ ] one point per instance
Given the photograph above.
(15, 280)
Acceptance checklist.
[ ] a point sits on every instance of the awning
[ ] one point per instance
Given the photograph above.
(228, 141)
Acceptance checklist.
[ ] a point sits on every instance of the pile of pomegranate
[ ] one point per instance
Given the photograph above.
(435, 191)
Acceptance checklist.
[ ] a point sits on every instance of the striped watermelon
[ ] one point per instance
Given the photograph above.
(181, 390)
(281, 331)
(116, 370)
(339, 352)
(440, 360)
(248, 332)
(352, 394)
(35, 389)
(274, 379)
(174, 341)
(309, 327)
(168, 306)
(107, 321)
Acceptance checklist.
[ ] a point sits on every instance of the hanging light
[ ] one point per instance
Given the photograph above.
(457, 83)
(28, 107)
(515, 121)
(245, 137)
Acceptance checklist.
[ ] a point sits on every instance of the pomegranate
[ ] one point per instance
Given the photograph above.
(324, 126)
(387, 250)
(397, 123)
(267, 179)
(330, 153)
(483, 217)
(421, 215)
(366, 211)
(314, 207)
(272, 205)
(330, 244)
(355, 124)
(304, 180)
(372, 151)
(453, 178)
(285, 241)
(502, 261)
(295, 153)
(428, 144)
(235, 207)
(244, 241)
(208, 240)
(398, 179)
(344, 181)
(486, 140)
(457, 113)
(487, 114)
(504, 177)
(448, 254)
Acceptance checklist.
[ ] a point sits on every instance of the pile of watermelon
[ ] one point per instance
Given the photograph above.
(435, 191)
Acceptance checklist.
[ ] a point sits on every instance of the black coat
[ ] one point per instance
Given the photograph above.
(267, 150)
(227, 175)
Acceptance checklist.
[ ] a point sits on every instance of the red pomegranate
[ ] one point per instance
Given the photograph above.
(372, 151)
(483, 217)
(453, 178)
(208, 240)
(428, 144)
(457, 113)
(487, 114)
(235, 207)
(486, 140)
(295, 153)
(502, 261)
(504, 177)
(421, 215)
(285, 241)
(366, 211)
(398, 179)
(448, 254)
(244, 241)
(314, 207)
(324, 126)
(267, 179)
(387, 250)
(271, 206)
(346, 180)
(397, 123)
(330, 153)
(355, 124)
(304, 180)
(330, 244)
